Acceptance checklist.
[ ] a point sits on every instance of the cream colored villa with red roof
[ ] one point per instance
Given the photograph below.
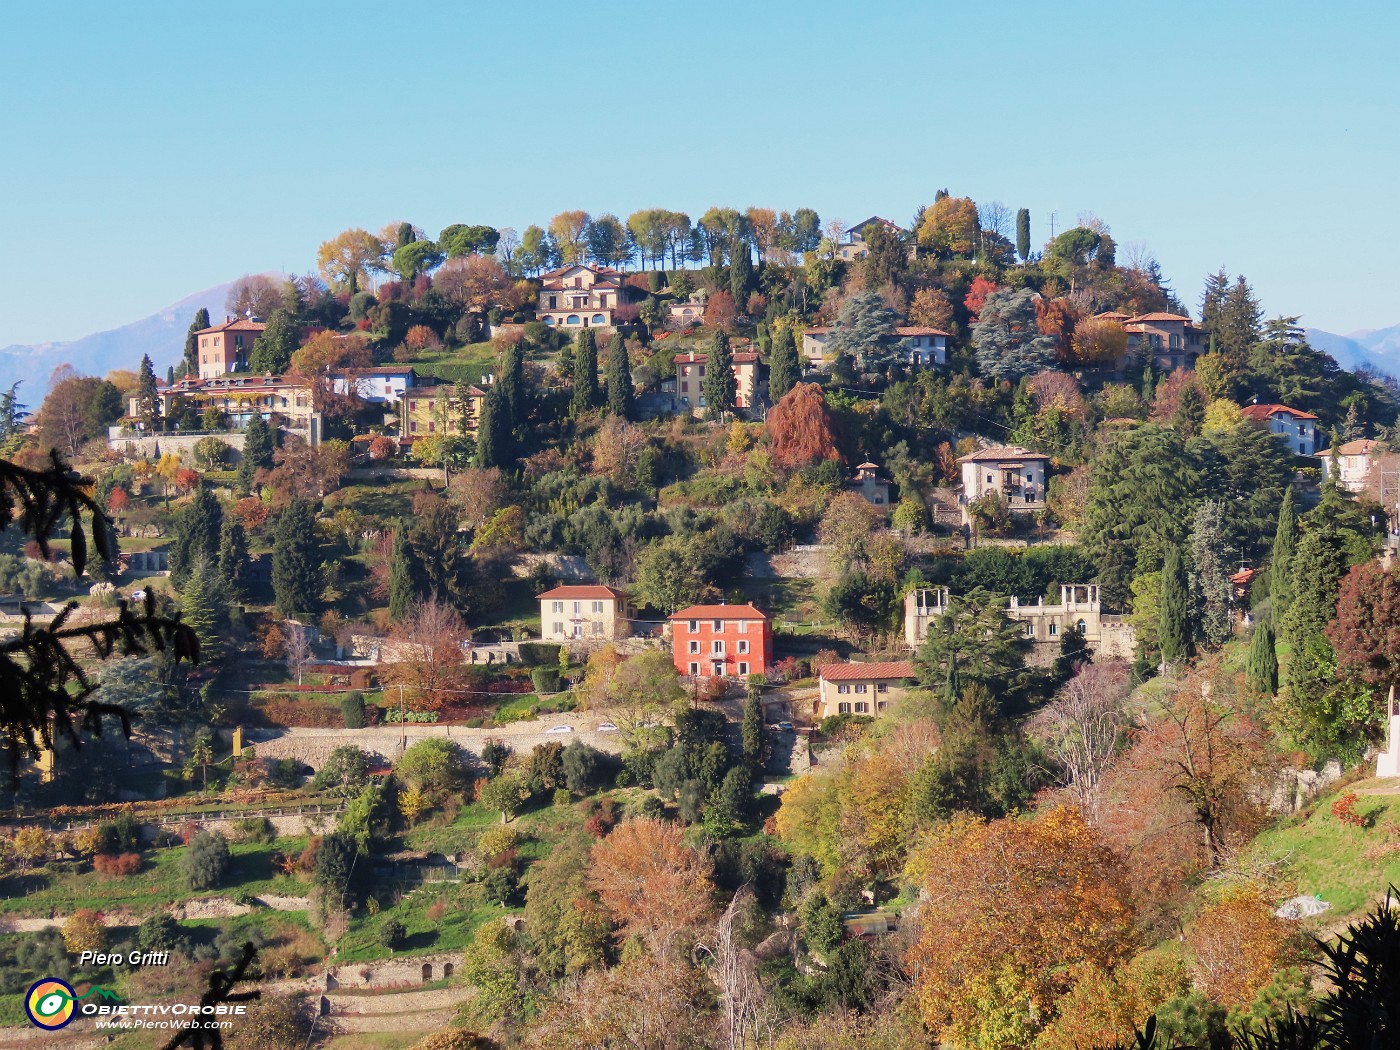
(861, 688)
(580, 296)
(730, 641)
(584, 612)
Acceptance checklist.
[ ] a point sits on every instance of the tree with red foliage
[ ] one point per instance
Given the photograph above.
(117, 501)
(801, 429)
(977, 295)
(382, 448)
(1366, 631)
(720, 311)
(186, 479)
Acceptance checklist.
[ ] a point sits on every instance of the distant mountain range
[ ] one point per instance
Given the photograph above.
(162, 335)
(1377, 348)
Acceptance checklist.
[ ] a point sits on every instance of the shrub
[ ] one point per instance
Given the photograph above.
(392, 934)
(84, 932)
(539, 654)
(494, 755)
(584, 766)
(545, 679)
(254, 829)
(496, 840)
(352, 710)
(161, 933)
(117, 865)
(283, 772)
(501, 885)
(205, 861)
(562, 797)
(652, 808)
(119, 835)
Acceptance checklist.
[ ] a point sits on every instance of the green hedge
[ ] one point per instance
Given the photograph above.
(539, 654)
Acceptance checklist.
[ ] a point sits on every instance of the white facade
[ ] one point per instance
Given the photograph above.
(1015, 473)
(378, 386)
(1297, 428)
(1353, 463)
(922, 607)
(1388, 761)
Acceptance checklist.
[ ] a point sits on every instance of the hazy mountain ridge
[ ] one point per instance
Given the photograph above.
(162, 335)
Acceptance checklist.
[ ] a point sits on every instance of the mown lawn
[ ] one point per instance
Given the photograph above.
(464, 911)
(158, 884)
(1330, 859)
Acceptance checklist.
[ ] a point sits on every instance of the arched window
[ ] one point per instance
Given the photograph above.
(1082, 626)
(427, 971)
(549, 320)
(599, 319)
(571, 319)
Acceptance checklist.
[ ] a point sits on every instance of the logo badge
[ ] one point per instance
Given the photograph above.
(50, 1003)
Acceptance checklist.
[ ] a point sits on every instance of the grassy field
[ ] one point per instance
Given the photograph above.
(160, 883)
(463, 911)
(1341, 864)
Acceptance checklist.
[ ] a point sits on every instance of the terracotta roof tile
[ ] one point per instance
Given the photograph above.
(852, 671)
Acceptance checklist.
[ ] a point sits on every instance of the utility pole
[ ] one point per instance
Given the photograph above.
(1052, 224)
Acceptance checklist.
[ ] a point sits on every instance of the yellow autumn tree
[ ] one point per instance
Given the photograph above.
(1012, 907)
(1236, 945)
(652, 884)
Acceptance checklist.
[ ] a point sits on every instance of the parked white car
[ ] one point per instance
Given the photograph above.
(560, 729)
(606, 727)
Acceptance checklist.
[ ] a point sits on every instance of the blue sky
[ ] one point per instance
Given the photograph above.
(154, 149)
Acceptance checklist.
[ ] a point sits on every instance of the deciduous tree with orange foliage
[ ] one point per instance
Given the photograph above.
(977, 295)
(651, 883)
(801, 428)
(1099, 341)
(568, 229)
(950, 227)
(932, 308)
(1236, 945)
(1010, 908)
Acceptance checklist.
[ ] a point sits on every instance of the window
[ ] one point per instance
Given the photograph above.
(599, 319)
(717, 625)
(685, 386)
(844, 709)
(743, 668)
(597, 607)
(989, 479)
(413, 406)
(743, 626)
(702, 371)
(694, 626)
(571, 319)
(553, 301)
(432, 427)
(862, 688)
(843, 689)
(1083, 627)
(743, 645)
(413, 427)
(717, 646)
(558, 607)
(882, 705)
(862, 708)
(695, 669)
(597, 626)
(578, 606)
(1054, 630)
(694, 646)
(558, 628)
(1030, 476)
(1030, 630)
(882, 687)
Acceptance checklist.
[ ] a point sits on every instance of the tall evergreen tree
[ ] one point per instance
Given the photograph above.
(752, 735)
(11, 412)
(719, 385)
(585, 373)
(1240, 319)
(200, 322)
(783, 367)
(1213, 302)
(1008, 342)
(147, 397)
(233, 555)
(740, 276)
(1281, 559)
(1261, 669)
(204, 606)
(401, 590)
(259, 441)
(296, 564)
(1023, 233)
(274, 346)
(1175, 633)
(494, 443)
(512, 384)
(619, 378)
(1210, 575)
(195, 537)
(1307, 662)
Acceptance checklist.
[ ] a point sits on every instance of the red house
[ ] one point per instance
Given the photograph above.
(730, 640)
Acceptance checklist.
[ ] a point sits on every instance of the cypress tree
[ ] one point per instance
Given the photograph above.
(493, 437)
(233, 554)
(1175, 633)
(296, 565)
(740, 276)
(1262, 666)
(195, 537)
(274, 346)
(1023, 233)
(512, 384)
(147, 398)
(400, 575)
(752, 732)
(719, 385)
(1281, 582)
(783, 367)
(1307, 662)
(619, 378)
(200, 322)
(585, 373)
